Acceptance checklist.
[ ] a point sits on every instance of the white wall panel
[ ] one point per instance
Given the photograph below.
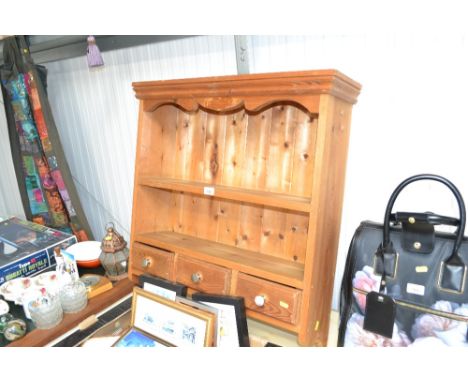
(97, 113)
(410, 117)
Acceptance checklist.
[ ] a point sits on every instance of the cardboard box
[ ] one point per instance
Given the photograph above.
(27, 248)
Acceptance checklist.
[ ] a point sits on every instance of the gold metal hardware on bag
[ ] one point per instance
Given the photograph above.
(389, 276)
(417, 245)
(439, 281)
(439, 313)
(411, 220)
(421, 269)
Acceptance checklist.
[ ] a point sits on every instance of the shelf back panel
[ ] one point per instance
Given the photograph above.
(275, 232)
(272, 150)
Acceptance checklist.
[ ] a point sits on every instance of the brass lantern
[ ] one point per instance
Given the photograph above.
(114, 255)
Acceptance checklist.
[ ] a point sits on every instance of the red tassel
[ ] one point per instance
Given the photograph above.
(93, 53)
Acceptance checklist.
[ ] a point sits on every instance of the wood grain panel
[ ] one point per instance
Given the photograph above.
(304, 154)
(235, 144)
(332, 147)
(213, 155)
(281, 146)
(256, 150)
(229, 91)
(274, 147)
(273, 233)
(206, 277)
(167, 116)
(151, 199)
(189, 214)
(151, 149)
(183, 147)
(177, 212)
(228, 222)
(250, 226)
(196, 141)
(207, 217)
(295, 237)
(281, 302)
(155, 261)
(254, 263)
(272, 199)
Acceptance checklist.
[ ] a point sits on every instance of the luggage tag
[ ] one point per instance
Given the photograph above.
(380, 314)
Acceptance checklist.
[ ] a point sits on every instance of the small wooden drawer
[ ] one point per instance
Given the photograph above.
(202, 276)
(274, 300)
(154, 261)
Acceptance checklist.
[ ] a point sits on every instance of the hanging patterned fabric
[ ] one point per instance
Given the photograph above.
(48, 193)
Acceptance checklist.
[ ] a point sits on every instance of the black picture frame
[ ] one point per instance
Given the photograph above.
(179, 289)
(238, 304)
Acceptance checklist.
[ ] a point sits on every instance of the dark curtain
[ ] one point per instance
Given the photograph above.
(47, 189)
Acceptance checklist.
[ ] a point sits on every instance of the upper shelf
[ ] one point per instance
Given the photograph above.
(251, 91)
(272, 199)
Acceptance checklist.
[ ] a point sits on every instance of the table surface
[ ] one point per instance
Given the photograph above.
(41, 337)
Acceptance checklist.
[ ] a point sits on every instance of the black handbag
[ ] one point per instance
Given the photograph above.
(404, 283)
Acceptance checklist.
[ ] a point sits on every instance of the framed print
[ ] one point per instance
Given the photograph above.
(162, 287)
(203, 307)
(232, 330)
(137, 339)
(177, 324)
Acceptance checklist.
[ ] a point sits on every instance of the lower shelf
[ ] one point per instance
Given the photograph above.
(254, 263)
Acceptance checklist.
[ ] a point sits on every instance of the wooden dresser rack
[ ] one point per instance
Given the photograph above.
(239, 187)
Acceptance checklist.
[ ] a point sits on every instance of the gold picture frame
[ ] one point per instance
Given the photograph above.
(171, 322)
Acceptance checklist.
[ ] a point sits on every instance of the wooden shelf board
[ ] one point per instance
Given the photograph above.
(254, 263)
(272, 199)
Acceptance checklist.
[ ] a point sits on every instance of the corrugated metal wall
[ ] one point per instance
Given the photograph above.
(409, 117)
(96, 113)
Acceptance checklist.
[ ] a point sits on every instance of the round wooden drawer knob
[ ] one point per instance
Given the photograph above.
(259, 300)
(146, 262)
(196, 277)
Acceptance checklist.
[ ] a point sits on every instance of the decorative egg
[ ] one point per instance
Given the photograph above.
(4, 319)
(15, 329)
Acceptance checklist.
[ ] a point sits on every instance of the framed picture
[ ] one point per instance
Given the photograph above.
(232, 330)
(203, 307)
(177, 324)
(162, 287)
(134, 338)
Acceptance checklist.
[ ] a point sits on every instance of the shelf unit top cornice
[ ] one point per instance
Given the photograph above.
(252, 91)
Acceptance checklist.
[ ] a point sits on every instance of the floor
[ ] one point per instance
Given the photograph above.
(260, 333)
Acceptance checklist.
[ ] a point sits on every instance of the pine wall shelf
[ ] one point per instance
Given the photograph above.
(238, 190)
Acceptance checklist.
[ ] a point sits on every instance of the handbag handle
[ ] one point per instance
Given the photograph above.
(427, 217)
(454, 258)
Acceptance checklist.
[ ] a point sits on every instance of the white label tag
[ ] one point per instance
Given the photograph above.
(209, 191)
(415, 289)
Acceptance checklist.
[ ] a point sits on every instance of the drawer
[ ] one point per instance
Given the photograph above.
(274, 300)
(154, 261)
(202, 276)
